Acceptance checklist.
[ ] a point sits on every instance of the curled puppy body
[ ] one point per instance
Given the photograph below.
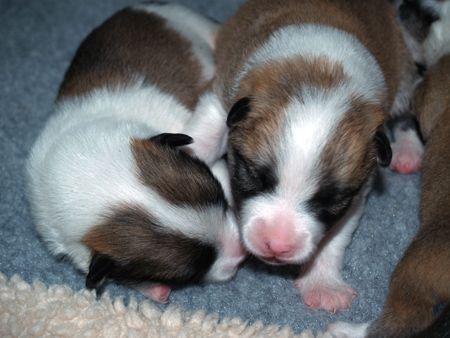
(307, 99)
(421, 279)
(108, 186)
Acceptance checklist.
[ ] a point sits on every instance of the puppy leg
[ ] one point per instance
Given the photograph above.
(407, 148)
(208, 128)
(321, 284)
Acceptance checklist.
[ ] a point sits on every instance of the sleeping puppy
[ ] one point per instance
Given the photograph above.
(421, 279)
(308, 85)
(108, 185)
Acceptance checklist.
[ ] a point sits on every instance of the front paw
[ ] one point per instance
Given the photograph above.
(330, 297)
(407, 153)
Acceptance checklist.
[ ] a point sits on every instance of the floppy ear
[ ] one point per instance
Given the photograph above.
(100, 267)
(383, 146)
(238, 111)
(172, 140)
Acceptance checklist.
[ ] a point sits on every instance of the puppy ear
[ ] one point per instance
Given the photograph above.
(100, 267)
(238, 111)
(172, 140)
(383, 146)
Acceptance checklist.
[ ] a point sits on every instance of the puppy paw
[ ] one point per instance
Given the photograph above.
(333, 297)
(158, 293)
(407, 153)
(347, 330)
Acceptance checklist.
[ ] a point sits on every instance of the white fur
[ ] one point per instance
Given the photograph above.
(83, 158)
(195, 28)
(208, 128)
(348, 330)
(306, 133)
(82, 165)
(437, 43)
(310, 40)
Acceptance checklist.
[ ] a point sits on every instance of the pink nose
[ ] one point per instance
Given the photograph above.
(279, 248)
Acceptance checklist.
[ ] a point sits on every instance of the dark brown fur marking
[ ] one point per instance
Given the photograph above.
(134, 44)
(144, 252)
(176, 176)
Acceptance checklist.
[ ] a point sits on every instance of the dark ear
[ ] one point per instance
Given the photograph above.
(100, 267)
(238, 111)
(172, 140)
(383, 146)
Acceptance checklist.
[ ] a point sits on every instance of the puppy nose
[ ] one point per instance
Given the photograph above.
(279, 248)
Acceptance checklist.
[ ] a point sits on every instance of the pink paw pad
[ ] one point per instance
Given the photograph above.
(407, 153)
(158, 293)
(330, 298)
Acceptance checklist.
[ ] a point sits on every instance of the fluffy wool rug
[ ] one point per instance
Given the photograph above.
(37, 311)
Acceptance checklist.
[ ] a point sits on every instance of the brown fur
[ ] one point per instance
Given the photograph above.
(177, 177)
(421, 279)
(433, 96)
(373, 22)
(283, 81)
(115, 43)
(354, 132)
(143, 251)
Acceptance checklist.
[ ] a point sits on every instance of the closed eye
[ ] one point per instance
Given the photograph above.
(251, 180)
(330, 204)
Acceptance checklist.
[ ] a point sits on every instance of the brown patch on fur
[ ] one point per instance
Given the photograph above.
(271, 89)
(351, 155)
(143, 251)
(421, 279)
(134, 44)
(373, 22)
(177, 177)
(432, 96)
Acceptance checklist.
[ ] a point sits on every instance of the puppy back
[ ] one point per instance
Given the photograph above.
(373, 23)
(132, 46)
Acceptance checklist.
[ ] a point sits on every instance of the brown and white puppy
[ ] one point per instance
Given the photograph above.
(108, 185)
(308, 85)
(421, 279)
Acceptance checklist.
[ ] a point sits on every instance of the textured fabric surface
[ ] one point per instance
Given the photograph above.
(37, 311)
(38, 40)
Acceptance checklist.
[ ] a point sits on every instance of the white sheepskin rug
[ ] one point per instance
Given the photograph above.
(57, 311)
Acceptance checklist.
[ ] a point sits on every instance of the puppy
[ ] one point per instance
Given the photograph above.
(421, 279)
(108, 186)
(308, 85)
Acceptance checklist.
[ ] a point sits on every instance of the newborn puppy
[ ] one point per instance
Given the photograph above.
(421, 279)
(108, 186)
(308, 85)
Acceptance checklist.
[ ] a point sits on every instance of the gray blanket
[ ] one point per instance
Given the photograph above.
(37, 42)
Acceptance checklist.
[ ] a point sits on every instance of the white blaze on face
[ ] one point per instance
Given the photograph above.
(279, 226)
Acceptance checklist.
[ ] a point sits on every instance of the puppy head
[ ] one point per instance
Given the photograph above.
(300, 150)
(181, 232)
